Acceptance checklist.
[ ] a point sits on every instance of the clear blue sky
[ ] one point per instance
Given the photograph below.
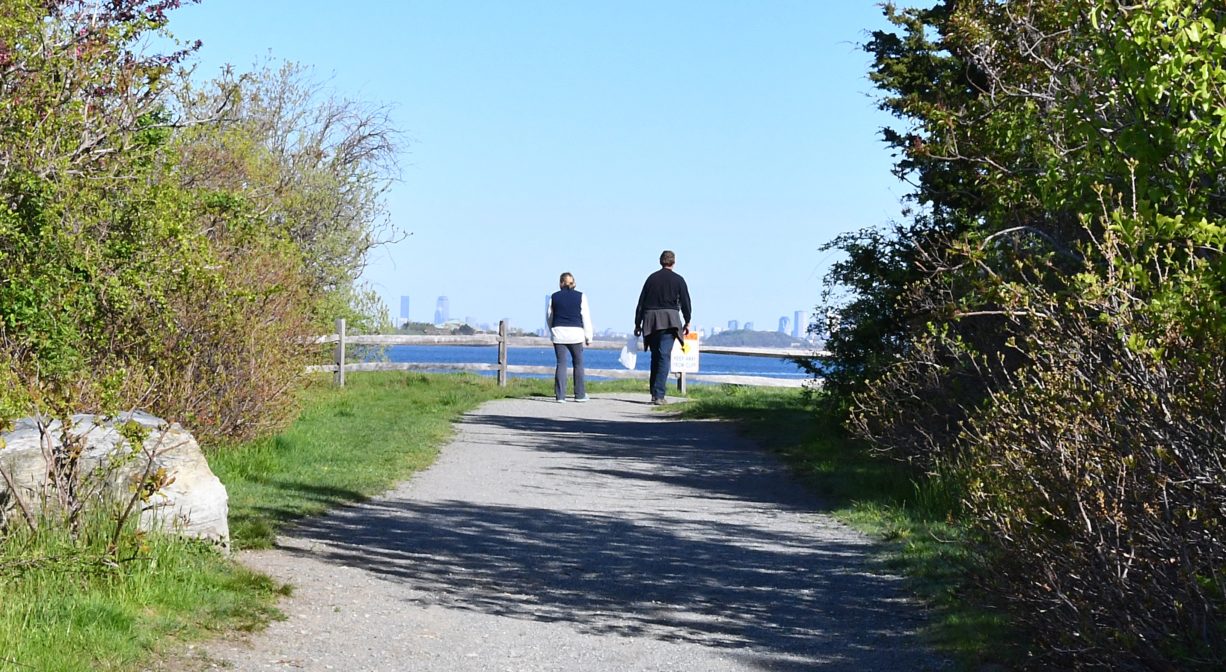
(584, 136)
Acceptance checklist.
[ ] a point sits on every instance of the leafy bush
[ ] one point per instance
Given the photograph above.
(1050, 325)
(160, 256)
(170, 252)
(1099, 476)
(238, 345)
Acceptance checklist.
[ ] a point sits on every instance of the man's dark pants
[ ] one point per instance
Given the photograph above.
(661, 345)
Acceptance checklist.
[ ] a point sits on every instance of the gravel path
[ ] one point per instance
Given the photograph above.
(584, 537)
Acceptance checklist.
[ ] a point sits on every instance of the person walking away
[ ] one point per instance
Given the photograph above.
(570, 328)
(662, 317)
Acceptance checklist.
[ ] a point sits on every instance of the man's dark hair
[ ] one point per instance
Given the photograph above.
(667, 258)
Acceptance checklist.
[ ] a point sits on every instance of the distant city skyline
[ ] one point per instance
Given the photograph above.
(404, 311)
(796, 326)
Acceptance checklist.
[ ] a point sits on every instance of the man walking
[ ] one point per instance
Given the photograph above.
(662, 317)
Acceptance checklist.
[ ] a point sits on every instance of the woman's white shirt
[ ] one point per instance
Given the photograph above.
(571, 334)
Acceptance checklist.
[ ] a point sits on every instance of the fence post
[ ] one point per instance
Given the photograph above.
(502, 353)
(681, 383)
(340, 352)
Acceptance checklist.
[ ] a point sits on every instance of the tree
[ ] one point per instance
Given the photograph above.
(90, 243)
(85, 238)
(312, 167)
(1068, 160)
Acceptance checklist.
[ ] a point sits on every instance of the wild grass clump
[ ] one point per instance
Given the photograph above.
(77, 604)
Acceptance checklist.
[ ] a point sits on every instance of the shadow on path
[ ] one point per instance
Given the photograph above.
(727, 553)
(704, 457)
(677, 580)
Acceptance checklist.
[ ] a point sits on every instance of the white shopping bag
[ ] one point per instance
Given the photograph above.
(630, 353)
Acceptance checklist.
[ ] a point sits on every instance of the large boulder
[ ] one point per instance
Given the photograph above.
(193, 503)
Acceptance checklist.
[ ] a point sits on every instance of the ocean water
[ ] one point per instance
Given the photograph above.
(710, 364)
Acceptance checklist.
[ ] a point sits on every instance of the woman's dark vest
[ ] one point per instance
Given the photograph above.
(567, 308)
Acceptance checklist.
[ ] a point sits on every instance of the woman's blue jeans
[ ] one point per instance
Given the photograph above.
(661, 345)
(559, 373)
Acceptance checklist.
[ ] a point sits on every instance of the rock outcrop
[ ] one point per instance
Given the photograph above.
(191, 502)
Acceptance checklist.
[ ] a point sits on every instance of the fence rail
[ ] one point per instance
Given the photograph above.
(503, 368)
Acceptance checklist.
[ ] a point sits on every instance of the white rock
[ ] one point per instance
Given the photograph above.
(194, 503)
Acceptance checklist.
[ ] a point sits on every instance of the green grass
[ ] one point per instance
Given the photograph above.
(918, 517)
(65, 609)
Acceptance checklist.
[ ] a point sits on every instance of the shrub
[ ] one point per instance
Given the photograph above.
(237, 346)
(1099, 475)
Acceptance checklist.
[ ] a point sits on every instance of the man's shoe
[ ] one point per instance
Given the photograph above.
(581, 399)
(560, 401)
(657, 402)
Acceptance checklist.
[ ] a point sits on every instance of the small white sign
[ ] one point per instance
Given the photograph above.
(685, 354)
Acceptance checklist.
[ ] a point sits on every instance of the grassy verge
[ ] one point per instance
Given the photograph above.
(64, 609)
(918, 518)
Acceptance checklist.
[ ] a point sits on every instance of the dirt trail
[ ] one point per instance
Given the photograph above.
(600, 536)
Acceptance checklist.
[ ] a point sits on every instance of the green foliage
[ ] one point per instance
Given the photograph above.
(314, 166)
(68, 608)
(1098, 472)
(176, 267)
(1049, 326)
(863, 320)
(88, 240)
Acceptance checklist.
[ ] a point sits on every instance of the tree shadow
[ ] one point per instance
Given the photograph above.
(671, 579)
(777, 597)
(706, 457)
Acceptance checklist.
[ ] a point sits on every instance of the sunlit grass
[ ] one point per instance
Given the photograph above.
(67, 607)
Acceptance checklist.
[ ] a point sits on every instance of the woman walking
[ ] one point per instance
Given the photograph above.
(570, 328)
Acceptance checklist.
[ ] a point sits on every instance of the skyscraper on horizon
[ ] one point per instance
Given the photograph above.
(404, 310)
(732, 325)
(442, 310)
(798, 317)
(783, 324)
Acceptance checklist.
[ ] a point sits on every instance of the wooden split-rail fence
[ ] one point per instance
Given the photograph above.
(504, 368)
